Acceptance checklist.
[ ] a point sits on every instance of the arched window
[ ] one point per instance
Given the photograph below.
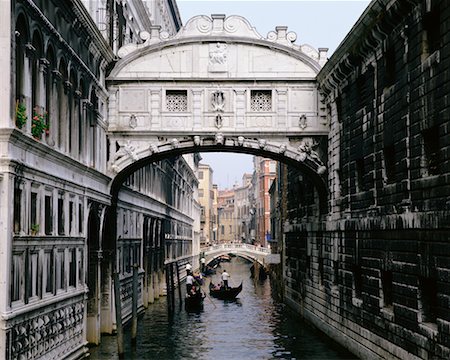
(21, 40)
(50, 93)
(62, 106)
(81, 122)
(36, 75)
(73, 118)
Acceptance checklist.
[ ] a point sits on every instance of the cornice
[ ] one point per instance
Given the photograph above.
(373, 27)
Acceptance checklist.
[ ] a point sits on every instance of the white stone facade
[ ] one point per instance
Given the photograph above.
(57, 251)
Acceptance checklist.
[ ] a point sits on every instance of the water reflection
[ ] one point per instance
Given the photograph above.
(253, 326)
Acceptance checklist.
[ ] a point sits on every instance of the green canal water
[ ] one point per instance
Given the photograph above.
(254, 326)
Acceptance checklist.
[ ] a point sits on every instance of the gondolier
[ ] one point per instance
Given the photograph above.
(225, 277)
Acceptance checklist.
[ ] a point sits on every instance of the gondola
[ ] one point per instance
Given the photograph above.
(225, 294)
(194, 302)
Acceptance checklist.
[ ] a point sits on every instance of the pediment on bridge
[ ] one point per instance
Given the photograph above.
(218, 47)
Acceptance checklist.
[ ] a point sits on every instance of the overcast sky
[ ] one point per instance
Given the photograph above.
(318, 23)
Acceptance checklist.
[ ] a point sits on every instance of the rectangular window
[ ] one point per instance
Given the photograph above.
(80, 267)
(428, 299)
(71, 217)
(48, 204)
(17, 208)
(72, 267)
(432, 27)
(17, 277)
(389, 163)
(32, 276)
(34, 210)
(200, 175)
(386, 282)
(60, 215)
(200, 193)
(431, 150)
(80, 218)
(261, 100)
(176, 100)
(49, 271)
(60, 270)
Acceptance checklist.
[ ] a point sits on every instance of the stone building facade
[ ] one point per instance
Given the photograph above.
(57, 251)
(372, 271)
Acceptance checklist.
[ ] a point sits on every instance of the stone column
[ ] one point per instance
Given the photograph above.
(197, 109)
(281, 108)
(239, 106)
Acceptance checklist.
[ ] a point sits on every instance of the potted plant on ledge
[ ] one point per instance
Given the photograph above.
(34, 229)
(21, 115)
(38, 124)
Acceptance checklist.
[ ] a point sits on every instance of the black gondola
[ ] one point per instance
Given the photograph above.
(225, 294)
(194, 302)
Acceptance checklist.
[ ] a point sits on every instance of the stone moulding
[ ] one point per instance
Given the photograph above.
(131, 152)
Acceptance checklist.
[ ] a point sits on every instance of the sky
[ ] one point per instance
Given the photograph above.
(319, 23)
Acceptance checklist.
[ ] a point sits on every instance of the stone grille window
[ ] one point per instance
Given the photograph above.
(176, 100)
(261, 100)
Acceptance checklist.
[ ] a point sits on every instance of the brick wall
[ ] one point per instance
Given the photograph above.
(374, 274)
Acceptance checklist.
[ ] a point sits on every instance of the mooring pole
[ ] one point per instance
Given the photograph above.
(134, 305)
(179, 283)
(168, 289)
(118, 306)
(172, 282)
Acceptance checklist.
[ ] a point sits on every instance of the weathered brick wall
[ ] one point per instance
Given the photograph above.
(375, 273)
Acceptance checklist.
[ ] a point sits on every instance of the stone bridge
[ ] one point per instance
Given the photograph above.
(217, 85)
(246, 251)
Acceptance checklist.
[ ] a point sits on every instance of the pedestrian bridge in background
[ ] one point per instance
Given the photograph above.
(246, 251)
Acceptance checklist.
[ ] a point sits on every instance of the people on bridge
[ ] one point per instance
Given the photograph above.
(225, 277)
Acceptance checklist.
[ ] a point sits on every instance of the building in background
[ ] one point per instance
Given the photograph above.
(206, 198)
(242, 209)
(264, 174)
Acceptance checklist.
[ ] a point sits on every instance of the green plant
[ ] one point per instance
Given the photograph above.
(21, 114)
(34, 228)
(38, 124)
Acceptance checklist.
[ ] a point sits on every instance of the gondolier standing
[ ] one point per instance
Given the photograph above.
(225, 277)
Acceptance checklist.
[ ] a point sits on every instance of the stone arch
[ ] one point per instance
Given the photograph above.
(22, 38)
(129, 157)
(237, 253)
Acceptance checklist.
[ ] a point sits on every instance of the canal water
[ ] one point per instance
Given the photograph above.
(254, 326)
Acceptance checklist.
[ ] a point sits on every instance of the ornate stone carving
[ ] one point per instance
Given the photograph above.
(133, 121)
(197, 140)
(218, 121)
(37, 336)
(218, 101)
(218, 58)
(262, 143)
(219, 139)
(153, 148)
(126, 149)
(282, 149)
(307, 147)
(175, 143)
(302, 122)
(240, 141)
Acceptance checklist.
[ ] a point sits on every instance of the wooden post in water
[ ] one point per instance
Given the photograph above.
(168, 288)
(134, 304)
(172, 282)
(118, 306)
(179, 284)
